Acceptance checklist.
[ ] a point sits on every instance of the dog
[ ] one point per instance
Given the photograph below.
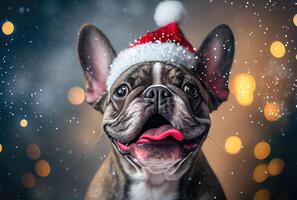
(156, 116)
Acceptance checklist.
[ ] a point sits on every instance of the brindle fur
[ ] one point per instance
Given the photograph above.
(124, 118)
(111, 182)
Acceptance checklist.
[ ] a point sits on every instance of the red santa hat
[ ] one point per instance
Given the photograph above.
(167, 43)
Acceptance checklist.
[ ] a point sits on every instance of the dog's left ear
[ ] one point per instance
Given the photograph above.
(215, 58)
(95, 55)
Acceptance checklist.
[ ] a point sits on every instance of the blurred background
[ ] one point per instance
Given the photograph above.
(49, 138)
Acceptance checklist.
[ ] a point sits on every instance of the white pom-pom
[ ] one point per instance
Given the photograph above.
(169, 11)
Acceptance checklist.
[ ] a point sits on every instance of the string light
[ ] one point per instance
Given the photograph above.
(272, 112)
(24, 123)
(260, 173)
(233, 145)
(42, 168)
(262, 150)
(277, 49)
(28, 179)
(243, 87)
(276, 166)
(76, 95)
(33, 151)
(7, 28)
(262, 194)
(295, 19)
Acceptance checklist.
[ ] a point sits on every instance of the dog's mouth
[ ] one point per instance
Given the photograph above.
(158, 140)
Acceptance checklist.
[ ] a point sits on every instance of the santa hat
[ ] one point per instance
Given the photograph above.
(167, 43)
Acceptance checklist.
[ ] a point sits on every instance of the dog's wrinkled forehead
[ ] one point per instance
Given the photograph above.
(153, 73)
(136, 75)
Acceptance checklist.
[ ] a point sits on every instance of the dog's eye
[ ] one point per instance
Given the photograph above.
(121, 91)
(191, 90)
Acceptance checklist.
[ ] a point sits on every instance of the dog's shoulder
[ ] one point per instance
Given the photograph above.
(108, 183)
(200, 182)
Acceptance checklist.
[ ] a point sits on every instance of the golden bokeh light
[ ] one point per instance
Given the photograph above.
(262, 150)
(1, 148)
(276, 166)
(262, 194)
(33, 151)
(42, 168)
(24, 123)
(7, 28)
(260, 173)
(76, 95)
(245, 100)
(295, 19)
(243, 87)
(244, 83)
(28, 179)
(272, 112)
(277, 49)
(233, 145)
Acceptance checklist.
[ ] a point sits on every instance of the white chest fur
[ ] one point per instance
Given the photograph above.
(145, 191)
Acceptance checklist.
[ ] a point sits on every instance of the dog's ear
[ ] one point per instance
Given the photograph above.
(95, 55)
(215, 57)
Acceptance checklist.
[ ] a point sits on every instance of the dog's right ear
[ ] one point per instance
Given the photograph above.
(95, 55)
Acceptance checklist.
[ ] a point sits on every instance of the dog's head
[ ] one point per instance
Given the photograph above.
(156, 114)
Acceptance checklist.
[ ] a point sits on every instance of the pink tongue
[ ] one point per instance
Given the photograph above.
(160, 133)
(155, 134)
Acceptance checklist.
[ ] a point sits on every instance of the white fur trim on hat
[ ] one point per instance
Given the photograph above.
(149, 52)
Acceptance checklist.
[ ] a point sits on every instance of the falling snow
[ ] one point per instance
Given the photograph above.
(39, 66)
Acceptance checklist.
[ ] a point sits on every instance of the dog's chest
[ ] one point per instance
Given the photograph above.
(142, 190)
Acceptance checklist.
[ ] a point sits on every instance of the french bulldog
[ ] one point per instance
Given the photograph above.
(156, 116)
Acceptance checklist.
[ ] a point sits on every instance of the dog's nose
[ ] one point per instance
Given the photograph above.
(160, 92)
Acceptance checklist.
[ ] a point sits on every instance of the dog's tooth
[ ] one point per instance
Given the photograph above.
(141, 145)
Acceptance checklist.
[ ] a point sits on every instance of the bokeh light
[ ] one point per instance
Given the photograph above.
(277, 49)
(42, 168)
(33, 151)
(7, 28)
(262, 194)
(260, 173)
(262, 150)
(28, 179)
(24, 123)
(76, 95)
(1, 148)
(245, 100)
(272, 112)
(243, 87)
(276, 166)
(295, 19)
(233, 145)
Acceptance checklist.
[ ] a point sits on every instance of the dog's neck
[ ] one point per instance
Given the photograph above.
(146, 185)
